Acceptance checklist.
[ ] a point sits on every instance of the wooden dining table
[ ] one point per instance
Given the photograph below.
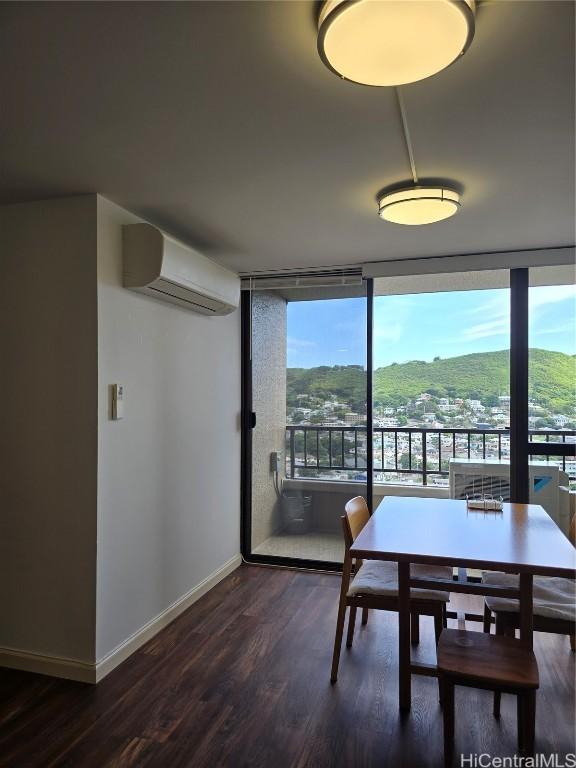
(521, 539)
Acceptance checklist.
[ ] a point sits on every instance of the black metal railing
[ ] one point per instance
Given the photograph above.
(417, 451)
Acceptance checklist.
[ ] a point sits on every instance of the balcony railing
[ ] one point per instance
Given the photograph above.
(420, 452)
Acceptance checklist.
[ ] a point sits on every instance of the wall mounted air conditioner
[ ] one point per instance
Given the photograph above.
(159, 266)
(471, 476)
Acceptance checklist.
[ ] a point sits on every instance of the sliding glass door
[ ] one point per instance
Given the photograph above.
(306, 362)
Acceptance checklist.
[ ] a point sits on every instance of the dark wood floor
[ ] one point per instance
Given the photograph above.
(242, 679)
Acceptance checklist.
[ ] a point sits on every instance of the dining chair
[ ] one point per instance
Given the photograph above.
(554, 601)
(554, 607)
(375, 585)
(500, 664)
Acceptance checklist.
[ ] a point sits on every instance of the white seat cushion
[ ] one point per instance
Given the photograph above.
(378, 577)
(553, 597)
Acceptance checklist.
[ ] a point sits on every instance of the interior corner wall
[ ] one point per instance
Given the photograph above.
(169, 471)
(269, 315)
(48, 450)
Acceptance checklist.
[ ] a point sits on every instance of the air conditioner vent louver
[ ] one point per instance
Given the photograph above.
(160, 266)
(470, 485)
(490, 476)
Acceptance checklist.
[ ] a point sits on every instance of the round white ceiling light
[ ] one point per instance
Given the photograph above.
(417, 204)
(393, 42)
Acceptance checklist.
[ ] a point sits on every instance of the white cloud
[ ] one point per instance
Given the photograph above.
(563, 328)
(388, 332)
(496, 305)
(540, 296)
(499, 323)
(499, 326)
(294, 343)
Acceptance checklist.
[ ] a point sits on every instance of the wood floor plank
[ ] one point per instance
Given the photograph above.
(242, 679)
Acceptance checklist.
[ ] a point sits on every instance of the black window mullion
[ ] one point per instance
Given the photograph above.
(369, 398)
(519, 479)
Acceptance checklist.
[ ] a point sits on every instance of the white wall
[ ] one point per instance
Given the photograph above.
(48, 442)
(169, 472)
(105, 526)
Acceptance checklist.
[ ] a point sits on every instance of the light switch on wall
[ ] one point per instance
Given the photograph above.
(117, 401)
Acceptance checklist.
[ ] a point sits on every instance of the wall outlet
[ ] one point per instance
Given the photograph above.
(275, 461)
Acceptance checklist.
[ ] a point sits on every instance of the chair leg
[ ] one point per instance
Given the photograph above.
(487, 619)
(573, 642)
(351, 623)
(448, 717)
(338, 642)
(414, 628)
(500, 630)
(346, 570)
(529, 724)
(521, 720)
(439, 622)
(496, 705)
(444, 616)
(364, 615)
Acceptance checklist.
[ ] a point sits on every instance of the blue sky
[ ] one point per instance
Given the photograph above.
(422, 326)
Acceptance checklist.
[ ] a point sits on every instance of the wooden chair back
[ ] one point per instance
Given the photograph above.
(356, 515)
(572, 534)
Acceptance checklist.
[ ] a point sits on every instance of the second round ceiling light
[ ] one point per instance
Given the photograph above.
(392, 43)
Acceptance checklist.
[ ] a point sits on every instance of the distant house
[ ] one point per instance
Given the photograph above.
(560, 420)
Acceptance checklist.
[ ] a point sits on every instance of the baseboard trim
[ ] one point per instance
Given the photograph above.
(81, 671)
(85, 672)
(109, 662)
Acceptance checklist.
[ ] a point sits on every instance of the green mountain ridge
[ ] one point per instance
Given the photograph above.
(481, 375)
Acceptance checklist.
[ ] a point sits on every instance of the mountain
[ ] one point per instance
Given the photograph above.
(483, 376)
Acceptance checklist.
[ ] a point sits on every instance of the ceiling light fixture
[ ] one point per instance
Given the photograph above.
(393, 42)
(416, 203)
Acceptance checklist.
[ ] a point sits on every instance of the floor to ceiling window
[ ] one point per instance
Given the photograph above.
(430, 367)
(552, 388)
(441, 385)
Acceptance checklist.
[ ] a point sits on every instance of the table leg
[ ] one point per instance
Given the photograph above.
(526, 609)
(404, 654)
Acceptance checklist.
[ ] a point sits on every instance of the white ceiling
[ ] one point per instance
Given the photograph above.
(218, 121)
